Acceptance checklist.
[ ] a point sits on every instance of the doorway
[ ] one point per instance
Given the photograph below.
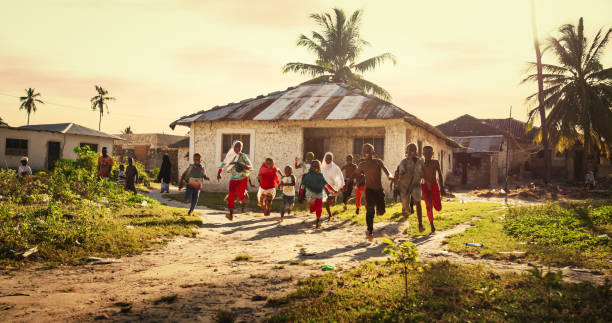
(314, 145)
(53, 153)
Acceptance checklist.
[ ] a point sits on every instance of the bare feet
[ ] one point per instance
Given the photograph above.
(282, 218)
(230, 215)
(345, 207)
(357, 211)
(421, 228)
(318, 225)
(370, 236)
(433, 229)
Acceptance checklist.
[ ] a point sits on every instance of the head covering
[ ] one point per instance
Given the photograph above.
(332, 173)
(231, 155)
(311, 154)
(24, 158)
(269, 177)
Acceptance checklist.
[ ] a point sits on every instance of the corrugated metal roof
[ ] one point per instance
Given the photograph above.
(69, 128)
(327, 101)
(481, 144)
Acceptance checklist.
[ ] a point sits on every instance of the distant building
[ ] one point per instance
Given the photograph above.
(46, 143)
(311, 117)
(182, 148)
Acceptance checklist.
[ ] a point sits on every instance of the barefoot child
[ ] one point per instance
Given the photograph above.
(268, 180)
(359, 191)
(313, 184)
(373, 168)
(334, 178)
(239, 166)
(348, 169)
(430, 189)
(288, 187)
(193, 176)
(410, 172)
(305, 166)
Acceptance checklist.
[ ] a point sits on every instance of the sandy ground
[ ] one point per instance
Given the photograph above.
(204, 275)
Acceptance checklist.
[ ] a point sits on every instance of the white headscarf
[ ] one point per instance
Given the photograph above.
(231, 155)
(332, 173)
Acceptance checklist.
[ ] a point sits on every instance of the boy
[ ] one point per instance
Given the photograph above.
(430, 189)
(305, 165)
(410, 172)
(288, 187)
(348, 169)
(131, 175)
(193, 176)
(372, 169)
(121, 176)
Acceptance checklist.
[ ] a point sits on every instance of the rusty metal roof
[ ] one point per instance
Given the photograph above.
(67, 128)
(326, 101)
(481, 144)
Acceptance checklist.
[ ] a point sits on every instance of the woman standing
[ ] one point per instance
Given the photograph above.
(238, 165)
(164, 174)
(334, 178)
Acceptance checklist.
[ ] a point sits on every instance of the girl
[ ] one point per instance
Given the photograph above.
(268, 181)
(313, 184)
(334, 178)
(239, 166)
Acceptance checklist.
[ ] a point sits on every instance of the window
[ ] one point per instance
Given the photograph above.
(16, 147)
(228, 139)
(92, 147)
(378, 143)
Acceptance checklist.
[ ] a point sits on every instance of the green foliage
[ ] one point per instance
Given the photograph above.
(404, 255)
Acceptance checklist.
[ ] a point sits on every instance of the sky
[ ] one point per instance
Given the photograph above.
(165, 59)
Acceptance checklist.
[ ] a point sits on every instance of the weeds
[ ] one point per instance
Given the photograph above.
(242, 257)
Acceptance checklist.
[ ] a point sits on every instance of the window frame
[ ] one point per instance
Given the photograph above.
(359, 141)
(91, 145)
(233, 136)
(16, 151)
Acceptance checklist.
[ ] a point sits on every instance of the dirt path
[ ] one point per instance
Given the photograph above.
(202, 272)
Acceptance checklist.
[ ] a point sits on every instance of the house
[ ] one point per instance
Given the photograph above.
(46, 143)
(182, 148)
(310, 117)
(149, 149)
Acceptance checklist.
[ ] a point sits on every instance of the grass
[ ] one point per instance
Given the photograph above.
(556, 234)
(242, 257)
(444, 292)
(67, 234)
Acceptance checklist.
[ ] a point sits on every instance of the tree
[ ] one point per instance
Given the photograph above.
(99, 102)
(29, 101)
(578, 92)
(127, 130)
(337, 48)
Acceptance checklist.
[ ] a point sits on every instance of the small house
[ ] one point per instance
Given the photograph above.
(319, 118)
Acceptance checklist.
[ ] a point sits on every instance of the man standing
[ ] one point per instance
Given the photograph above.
(105, 164)
(410, 172)
(372, 168)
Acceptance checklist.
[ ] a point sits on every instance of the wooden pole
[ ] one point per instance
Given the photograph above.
(507, 152)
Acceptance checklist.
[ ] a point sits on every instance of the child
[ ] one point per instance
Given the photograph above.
(268, 180)
(395, 188)
(131, 176)
(410, 172)
(333, 176)
(348, 169)
(239, 167)
(359, 190)
(121, 176)
(24, 169)
(305, 165)
(430, 189)
(193, 176)
(313, 184)
(288, 186)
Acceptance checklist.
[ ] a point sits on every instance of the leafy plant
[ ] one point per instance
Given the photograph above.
(550, 281)
(404, 254)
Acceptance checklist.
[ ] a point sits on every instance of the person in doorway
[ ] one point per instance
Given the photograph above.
(105, 164)
(121, 176)
(410, 172)
(430, 190)
(193, 178)
(24, 170)
(288, 187)
(334, 178)
(373, 168)
(305, 166)
(131, 176)
(268, 181)
(349, 170)
(314, 185)
(164, 174)
(239, 166)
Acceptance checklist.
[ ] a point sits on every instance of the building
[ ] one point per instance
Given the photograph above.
(46, 143)
(182, 148)
(149, 149)
(310, 117)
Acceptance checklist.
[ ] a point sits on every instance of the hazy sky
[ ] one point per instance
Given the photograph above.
(166, 59)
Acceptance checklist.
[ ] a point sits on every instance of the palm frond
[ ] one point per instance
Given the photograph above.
(304, 69)
(374, 62)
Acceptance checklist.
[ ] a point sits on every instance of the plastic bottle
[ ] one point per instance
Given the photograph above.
(474, 244)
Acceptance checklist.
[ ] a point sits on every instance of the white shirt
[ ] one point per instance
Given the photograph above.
(24, 169)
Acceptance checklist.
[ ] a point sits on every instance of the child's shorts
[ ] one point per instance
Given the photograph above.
(288, 202)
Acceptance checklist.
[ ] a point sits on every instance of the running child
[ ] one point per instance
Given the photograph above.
(429, 188)
(348, 169)
(287, 185)
(238, 164)
(373, 168)
(193, 176)
(268, 181)
(313, 185)
(305, 166)
(394, 187)
(359, 190)
(334, 178)
(410, 172)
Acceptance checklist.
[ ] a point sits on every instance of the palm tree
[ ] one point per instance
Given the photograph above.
(578, 92)
(29, 101)
(99, 102)
(127, 130)
(337, 48)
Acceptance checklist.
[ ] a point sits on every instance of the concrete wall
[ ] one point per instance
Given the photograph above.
(284, 140)
(155, 140)
(441, 148)
(37, 146)
(183, 160)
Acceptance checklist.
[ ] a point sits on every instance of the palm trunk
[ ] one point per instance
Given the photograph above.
(587, 148)
(100, 122)
(28, 118)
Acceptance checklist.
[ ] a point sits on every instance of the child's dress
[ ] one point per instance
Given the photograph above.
(313, 184)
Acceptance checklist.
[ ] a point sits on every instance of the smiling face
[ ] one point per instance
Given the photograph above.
(428, 153)
(316, 166)
(309, 159)
(238, 147)
(411, 150)
(367, 151)
(196, 159)
(328, 158)
(288, 171)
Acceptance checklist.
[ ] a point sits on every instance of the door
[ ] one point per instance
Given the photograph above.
(314, 145)
(53, 153)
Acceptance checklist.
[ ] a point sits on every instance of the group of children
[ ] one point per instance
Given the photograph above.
(322, 181)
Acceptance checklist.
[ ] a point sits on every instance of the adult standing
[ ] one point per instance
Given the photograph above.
(105, 164)
(239, 166)
(372, 168)
(334, 178)
(131, 176)
(164, 174)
